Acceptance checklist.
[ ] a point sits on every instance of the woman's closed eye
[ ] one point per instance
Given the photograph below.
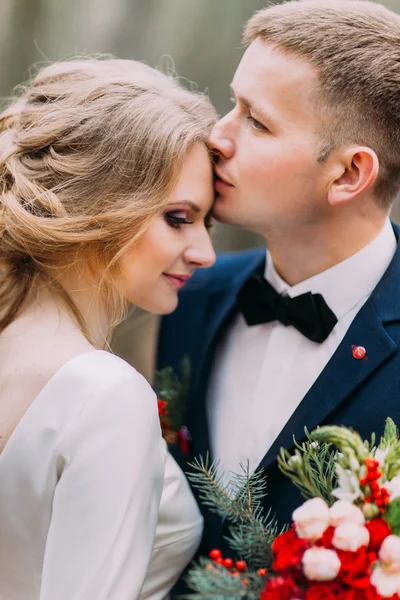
(176, 219)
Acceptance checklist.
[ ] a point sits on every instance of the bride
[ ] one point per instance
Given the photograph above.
(106, 191)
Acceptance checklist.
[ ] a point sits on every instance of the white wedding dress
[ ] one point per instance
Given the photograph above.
(92, 505)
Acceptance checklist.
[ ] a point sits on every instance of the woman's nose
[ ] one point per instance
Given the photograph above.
(201, 254)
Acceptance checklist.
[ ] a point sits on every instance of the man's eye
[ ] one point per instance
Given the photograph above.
(176, 219)
(256, 124)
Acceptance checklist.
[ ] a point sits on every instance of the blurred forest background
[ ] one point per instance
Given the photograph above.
(202, 37)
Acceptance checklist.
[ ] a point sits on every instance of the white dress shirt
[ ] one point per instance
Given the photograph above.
(261, 373)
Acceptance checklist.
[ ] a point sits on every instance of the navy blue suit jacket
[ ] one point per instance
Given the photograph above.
(356, 393)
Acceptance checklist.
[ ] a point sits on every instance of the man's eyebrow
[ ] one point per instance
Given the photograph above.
(195, 207)
(250, 105)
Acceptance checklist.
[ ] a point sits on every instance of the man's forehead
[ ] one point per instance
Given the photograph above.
(263, 62)
(279, 82)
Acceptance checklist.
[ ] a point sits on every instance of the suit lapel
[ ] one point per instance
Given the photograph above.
(343, 373)
(341, 376)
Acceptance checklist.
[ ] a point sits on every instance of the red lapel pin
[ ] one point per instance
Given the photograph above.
(359, 352)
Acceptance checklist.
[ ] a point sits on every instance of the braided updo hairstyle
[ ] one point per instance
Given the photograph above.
(89, 153)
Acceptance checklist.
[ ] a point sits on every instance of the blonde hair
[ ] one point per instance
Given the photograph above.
(355, 47)
(89, 154)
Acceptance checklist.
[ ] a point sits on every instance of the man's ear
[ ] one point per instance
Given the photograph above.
(353, 174)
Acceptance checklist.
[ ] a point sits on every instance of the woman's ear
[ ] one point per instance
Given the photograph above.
(354, 174)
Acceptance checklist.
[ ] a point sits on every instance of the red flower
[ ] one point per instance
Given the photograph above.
(324, 591)
(355, 567)
(162, 407)
(368, 593)
(288, 551)
(280, 588)
(378, 531)
(326, 540)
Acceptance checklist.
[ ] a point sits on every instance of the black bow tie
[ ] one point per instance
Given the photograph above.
(309, 313)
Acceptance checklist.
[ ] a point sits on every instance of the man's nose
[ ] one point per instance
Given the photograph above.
(201, 253)
(221, 140)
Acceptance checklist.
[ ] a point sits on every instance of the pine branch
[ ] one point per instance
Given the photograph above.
(252, 540)
(251, 533)
(311, 468)
(213, 491)
(248, 489)
(209, 580)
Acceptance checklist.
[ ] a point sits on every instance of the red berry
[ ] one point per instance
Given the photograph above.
(245, 581)
(219, 561)
(240, 565)
(262, 572)
(214, 554)
(228, 563)
(235, 574)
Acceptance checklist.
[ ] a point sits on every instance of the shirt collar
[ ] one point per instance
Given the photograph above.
(346, 284)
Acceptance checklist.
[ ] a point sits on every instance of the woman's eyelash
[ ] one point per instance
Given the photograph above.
(175, 221)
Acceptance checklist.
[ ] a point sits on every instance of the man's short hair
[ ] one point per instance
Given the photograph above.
(355, 47)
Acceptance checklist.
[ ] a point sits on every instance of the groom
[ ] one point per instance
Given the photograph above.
(306, 332)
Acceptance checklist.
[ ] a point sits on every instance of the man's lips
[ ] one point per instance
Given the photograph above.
(177, 280)
(221, 181)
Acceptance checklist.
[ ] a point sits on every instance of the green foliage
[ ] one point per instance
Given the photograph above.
(347, 441)
(311, 468)
(173, 389)
(210, 580)
(390, 435)
(251, 532)
(390, 443)
(392, 516)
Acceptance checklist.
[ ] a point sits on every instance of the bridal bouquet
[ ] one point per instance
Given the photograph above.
(344, 541)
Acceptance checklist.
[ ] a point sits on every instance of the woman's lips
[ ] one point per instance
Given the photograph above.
(177, 281)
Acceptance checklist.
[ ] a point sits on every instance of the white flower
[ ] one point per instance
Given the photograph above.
(320, 564)
(389, 553)
(349, 486)
(393, 487)
(349, 536)
(311, 519)
(294, 461)
(344, 511)
(387, 584)
(381, 455)
(354, 464)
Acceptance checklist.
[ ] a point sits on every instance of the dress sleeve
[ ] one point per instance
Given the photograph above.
(111, 461)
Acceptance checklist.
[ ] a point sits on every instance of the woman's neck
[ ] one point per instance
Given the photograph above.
(85, 299)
